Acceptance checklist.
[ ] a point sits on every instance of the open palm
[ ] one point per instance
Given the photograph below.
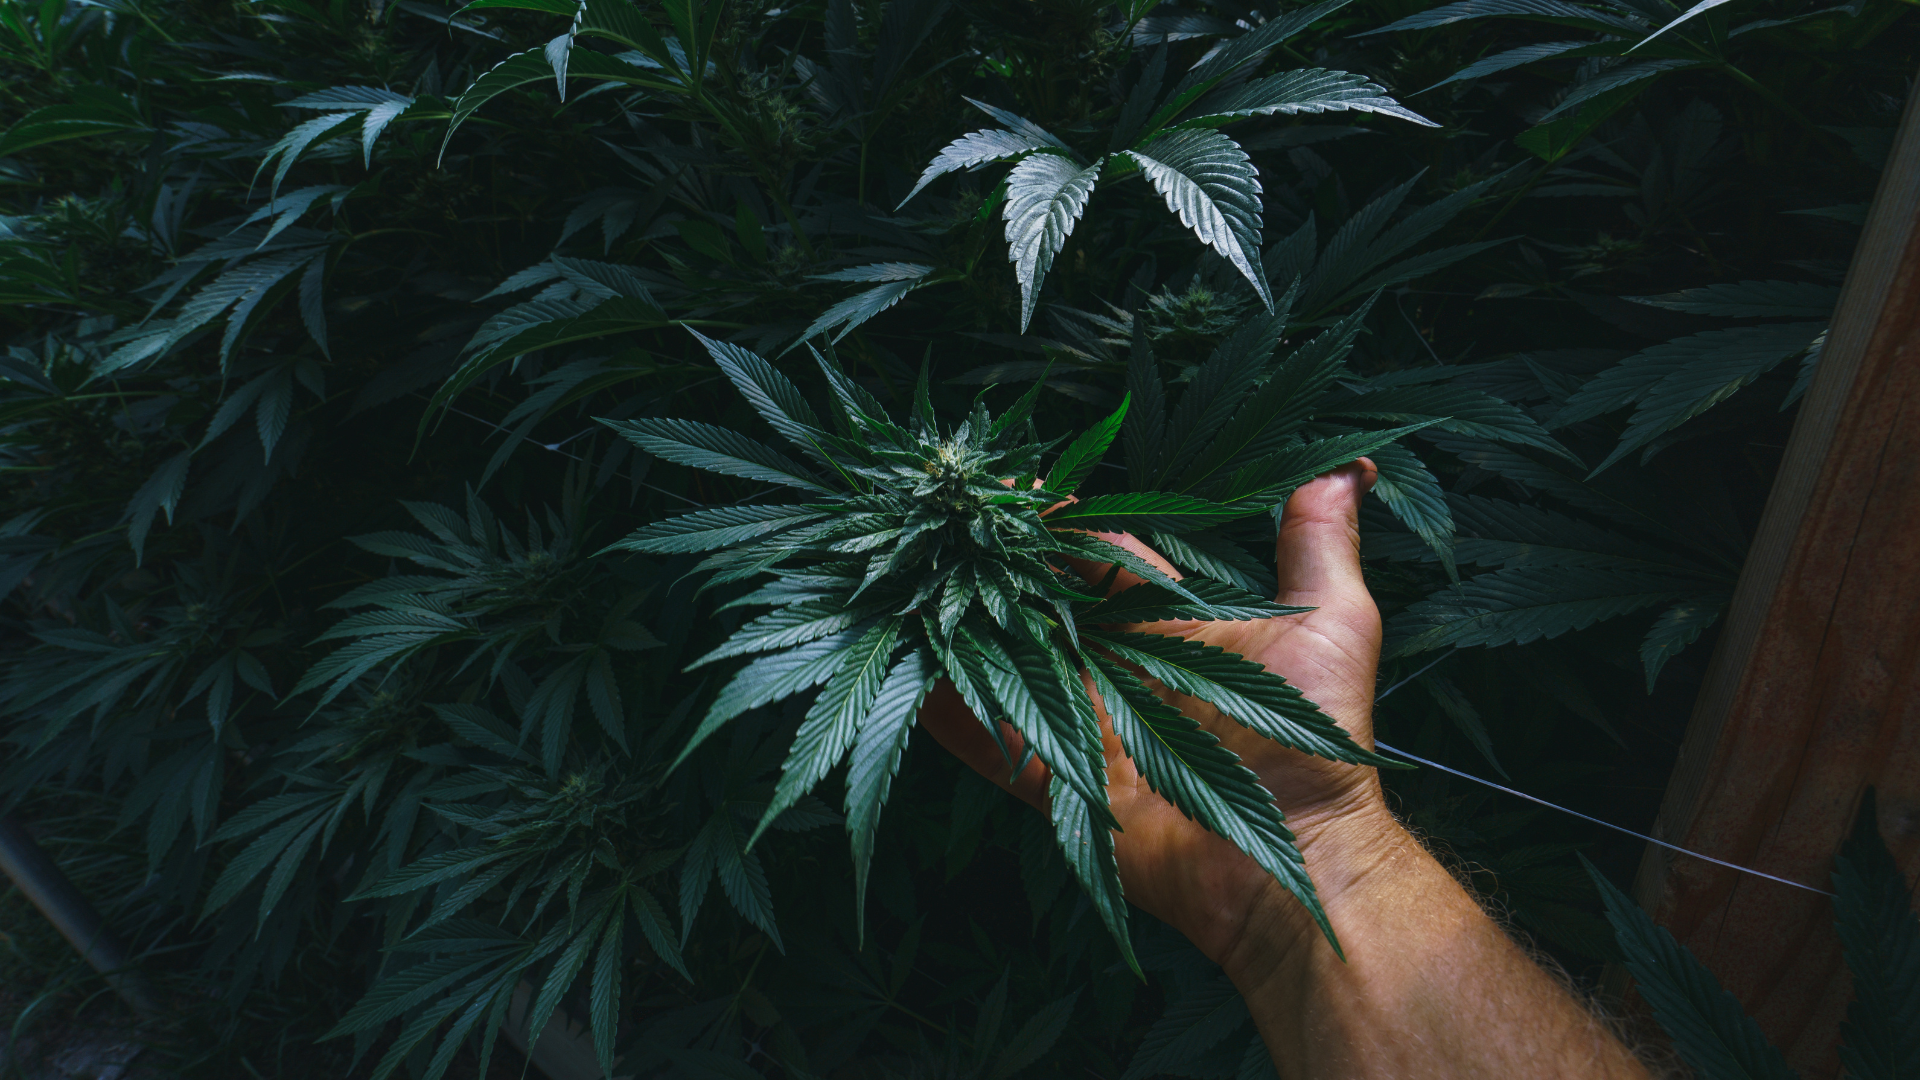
(1170, 865)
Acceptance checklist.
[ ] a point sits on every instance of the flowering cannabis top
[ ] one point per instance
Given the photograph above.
(923, 552)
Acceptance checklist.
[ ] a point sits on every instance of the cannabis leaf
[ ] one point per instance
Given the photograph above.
(1706, 1022)
(1204, 177)
(1046, 194)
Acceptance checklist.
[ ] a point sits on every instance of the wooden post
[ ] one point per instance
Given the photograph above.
(1814, 690)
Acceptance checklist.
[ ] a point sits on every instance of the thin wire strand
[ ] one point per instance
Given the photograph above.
(1583, 817)
(1382, 696)
(555, 447)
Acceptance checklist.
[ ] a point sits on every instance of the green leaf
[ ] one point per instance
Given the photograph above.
(721, 526)
(515, 71)
(1188, 767)
(1194, 1024)
(1357, 258)
(878, 744)
(1616, 77)
(551, 7)
(1526, 604)
(1046, 194)
(1616, 499)
(1216, 557)
(1559, 11)
(256, 857)
(1019, 125)
(1705, 1022)
(627, 23)
(1212, 187)
(432, 870)
(1148, 602)
(544, 324)
(1750, 300)
(1032, 699)
(858, 308)
(1216, 395)
(265, 812)
(744, 880)
(1553, 140)
(1511, 58)
(550, 710)
(95, 110)
(771, 394)
(1678, 627)
(1143, 511)
(1873, 913)
(285, 868)
(771, 678)
(1254, 697)
(832, 722)
(1035, 1037)
(1080, 457)
(456, 1037)
(1459, 410)
(377, 108)
(560, 977)
(658, 929)
(977, 148)
(715, 449)
(1254, 427)
(1268, 481)
(397, 993)
(1087, 842)
(1742, 349)
(417, 1030)
(1495, 532)
(1702, 6)
(1415, 497)
(1100, 551)
(603, 695)
(1696, 374)
(603, 999)
(793, 625)
(1464, 716)
(1237, 53)
(1256, 1063)
(1146, 424)
(1307, 90)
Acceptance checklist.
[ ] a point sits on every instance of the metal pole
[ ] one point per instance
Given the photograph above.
(42, 882)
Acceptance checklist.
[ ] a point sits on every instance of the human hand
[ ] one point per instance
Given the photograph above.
(1170, 865)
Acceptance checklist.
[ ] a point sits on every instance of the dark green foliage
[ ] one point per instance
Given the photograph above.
(321, 679)
(1873, 911)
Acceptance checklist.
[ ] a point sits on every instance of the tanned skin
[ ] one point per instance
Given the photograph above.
(1431, 987)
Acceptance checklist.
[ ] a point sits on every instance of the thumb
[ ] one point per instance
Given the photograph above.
(1318, 550)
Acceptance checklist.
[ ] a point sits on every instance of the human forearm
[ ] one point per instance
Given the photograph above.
(1431, 987)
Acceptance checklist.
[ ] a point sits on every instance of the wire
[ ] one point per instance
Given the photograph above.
(1383, 694)
(555, 447)
(1583, 817)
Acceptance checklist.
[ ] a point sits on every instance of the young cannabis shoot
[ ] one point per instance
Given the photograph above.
(922, 552)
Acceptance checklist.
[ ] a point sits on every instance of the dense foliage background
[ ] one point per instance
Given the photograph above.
(313, 679)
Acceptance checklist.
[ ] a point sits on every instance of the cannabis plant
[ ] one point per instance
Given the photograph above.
(930, 551)
(1170, 136)
(308, 309)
